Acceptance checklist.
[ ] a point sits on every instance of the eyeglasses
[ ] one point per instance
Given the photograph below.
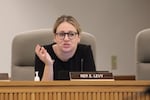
(71, 35)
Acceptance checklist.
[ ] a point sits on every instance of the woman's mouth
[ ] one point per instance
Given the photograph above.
(66, 45)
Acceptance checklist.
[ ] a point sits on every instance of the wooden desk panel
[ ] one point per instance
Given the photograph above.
(74, 90)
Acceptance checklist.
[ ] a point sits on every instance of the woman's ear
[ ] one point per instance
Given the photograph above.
(54, 40)
(79, 39)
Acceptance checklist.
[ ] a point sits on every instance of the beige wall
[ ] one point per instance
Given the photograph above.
(114, 23)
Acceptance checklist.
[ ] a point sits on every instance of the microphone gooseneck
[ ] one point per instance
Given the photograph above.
(82, 60)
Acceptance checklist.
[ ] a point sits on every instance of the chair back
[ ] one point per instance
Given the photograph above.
(23, 51)
(142, 43)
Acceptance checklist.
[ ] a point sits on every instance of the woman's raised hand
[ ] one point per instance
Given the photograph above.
(43, 55)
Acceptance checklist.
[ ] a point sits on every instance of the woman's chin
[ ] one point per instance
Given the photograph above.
(66, 49)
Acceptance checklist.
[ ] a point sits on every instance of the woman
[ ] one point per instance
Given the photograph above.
(55, 61)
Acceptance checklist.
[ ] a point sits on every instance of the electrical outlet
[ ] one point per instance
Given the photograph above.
(114, 62)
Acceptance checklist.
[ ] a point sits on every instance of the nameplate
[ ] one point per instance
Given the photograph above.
(91, 75)
(4, 76)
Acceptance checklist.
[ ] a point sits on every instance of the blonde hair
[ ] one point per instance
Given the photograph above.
(69, 19)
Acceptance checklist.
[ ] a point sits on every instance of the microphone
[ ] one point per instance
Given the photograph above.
(82, 64)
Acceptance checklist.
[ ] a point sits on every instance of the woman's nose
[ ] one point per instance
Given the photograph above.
(66, 37)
